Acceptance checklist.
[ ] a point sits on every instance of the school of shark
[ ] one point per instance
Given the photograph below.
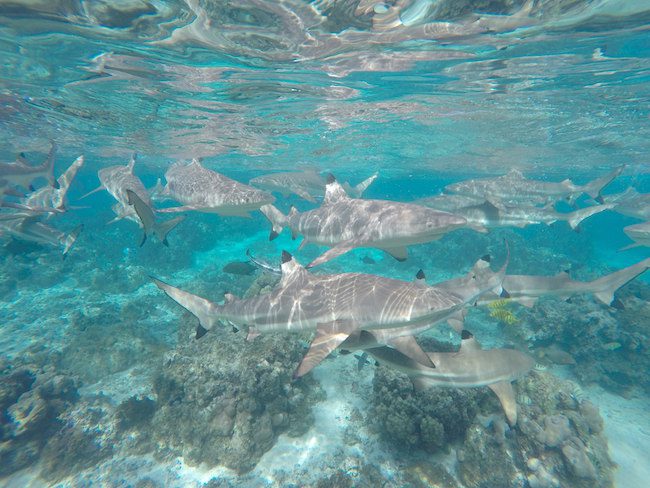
(378, 315)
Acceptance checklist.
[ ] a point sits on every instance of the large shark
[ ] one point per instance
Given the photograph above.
(31, 229)
(639, 233)
(117, 180)
(487, 215)
(471, 366)
(336, 306)
(514, 188)
(346, 223)
(50, 198)
(22, 174)
(148, 219)
(198, 188)
(306, 184)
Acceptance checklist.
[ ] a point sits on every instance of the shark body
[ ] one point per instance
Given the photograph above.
(639, 233)
(514, 188)
(335, 306)
(306, 184)
(204, 190)
(471, 366)
(631, 203)
(345, 223)
(21, 174)
(32, 230)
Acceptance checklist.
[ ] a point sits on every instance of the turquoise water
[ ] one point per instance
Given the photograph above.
(103, 380)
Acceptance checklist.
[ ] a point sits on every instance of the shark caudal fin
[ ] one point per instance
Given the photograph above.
(605, 287)
(595, 187)
(576, 217)
(202, 309)
(363, 186)
(161, 229)
(70, 239)
(278, 219)
(148, 219)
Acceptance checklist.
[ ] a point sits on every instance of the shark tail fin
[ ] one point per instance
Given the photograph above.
(163, 228)
(608, 284)
(363, 186)
(70, 239)
(595, 187)
(202, 309)
(577, 216)
(278, 219)
(65, 180)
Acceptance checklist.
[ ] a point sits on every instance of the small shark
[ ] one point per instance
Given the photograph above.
(22, 174)
(31, 229)
(526, 290)
(346, 223)
(639, 233)
(488, 215)
(262, 264)
(469, 367)
(148, 219)
(514, 188)
(631, 203)
(116, 180)
(49, 198)
(336, 306)
(306, 184)
(204, 190)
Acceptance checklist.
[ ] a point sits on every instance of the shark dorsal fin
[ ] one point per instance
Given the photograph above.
(515, 174)
(468, 343)
(506, 395)
(290, 268)
(334, 192)
(131, 164)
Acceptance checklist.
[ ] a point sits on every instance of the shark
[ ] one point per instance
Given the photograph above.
(148, 219)
(346, 223)
(639, 233)
(306, 184)
(631, 203)
(21, 174)
(514, 188)
(527, 289)
(30, 228)
(487, 215)
(204, 190)
(116, 180)
(336, 306)
(469, 367)
(50, 198)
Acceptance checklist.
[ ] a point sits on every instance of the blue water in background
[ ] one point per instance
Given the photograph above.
(255, 87)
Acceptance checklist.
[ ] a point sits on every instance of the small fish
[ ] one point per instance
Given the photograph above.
(243, 268)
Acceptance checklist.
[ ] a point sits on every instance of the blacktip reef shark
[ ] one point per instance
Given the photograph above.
(526, 290)
(469, 367)
(515, 188)
(345, 223)
(22, 174)
(639, 233)
(29, 228)
(204, 190)
(50, 199)
(148, 219)
(336, 306)
(116, 180)
(631, 203)
(487, 215)
(306, 184)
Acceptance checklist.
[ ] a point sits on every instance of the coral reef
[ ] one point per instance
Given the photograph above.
(558, 442)
(224, 401)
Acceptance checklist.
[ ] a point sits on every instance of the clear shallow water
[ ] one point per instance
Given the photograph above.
(556, 90)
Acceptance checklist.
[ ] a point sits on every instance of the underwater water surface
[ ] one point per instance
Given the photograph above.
(479, 170)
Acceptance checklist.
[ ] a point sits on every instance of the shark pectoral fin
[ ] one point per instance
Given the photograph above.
(506, 395)
(528, 302)
(328, 337)
(252, 334)
(478, 228)
(421, 383)
(408, 346)
(457, 320)
(606, 297)
(399, 253)
(334, 252)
